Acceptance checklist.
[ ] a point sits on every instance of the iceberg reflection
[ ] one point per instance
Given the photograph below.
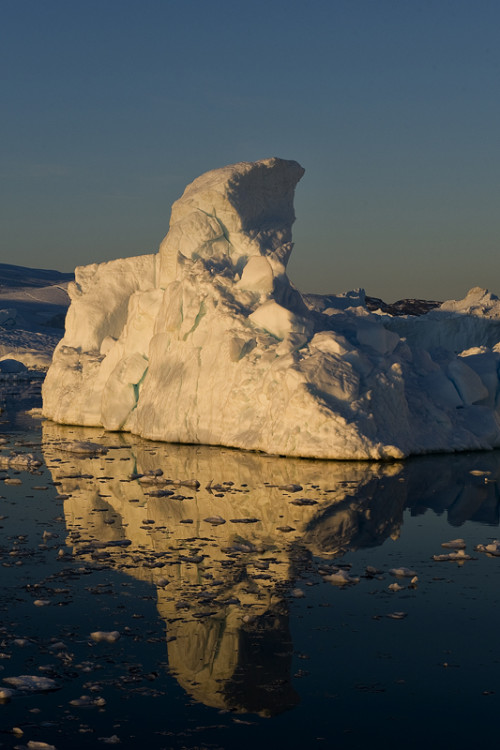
(223, 534)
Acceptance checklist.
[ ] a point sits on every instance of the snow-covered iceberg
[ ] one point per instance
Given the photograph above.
(209, 342)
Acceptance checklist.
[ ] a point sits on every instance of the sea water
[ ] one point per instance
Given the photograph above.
(251, 597)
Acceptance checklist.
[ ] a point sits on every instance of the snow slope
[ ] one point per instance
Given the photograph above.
(209, 342)
(33, 304)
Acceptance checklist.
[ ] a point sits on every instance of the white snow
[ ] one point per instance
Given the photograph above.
(33, 303)
(209, 342)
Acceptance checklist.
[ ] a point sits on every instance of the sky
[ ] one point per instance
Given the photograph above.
(110, 108)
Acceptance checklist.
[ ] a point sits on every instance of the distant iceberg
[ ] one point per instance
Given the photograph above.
(209, 342)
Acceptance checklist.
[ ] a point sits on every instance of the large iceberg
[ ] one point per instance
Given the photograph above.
(209, 342)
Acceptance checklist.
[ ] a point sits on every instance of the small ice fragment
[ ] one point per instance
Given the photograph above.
(107, 636)
(290, 487)
(341, 578)
(31, 683)
(113, 740)
(402, 572)
(25, 461)
(454, 544)
(395, 587)
(297, 593)
(479, 473)
(493, 548)
(86, 700)
(35, 745)
(458, 556)
(41, 602)
(397, 615)
(6, 694)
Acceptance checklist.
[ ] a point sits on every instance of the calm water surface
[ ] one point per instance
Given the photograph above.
(233, 633)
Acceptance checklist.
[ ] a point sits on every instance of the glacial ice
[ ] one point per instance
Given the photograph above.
(209, 342)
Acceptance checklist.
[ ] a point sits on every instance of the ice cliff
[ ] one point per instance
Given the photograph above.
(209, 342)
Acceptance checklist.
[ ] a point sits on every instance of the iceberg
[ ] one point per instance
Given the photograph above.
(208, 342)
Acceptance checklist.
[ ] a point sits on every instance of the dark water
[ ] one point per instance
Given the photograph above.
(231, 633)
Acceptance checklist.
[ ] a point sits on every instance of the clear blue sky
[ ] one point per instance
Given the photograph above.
(110, 108)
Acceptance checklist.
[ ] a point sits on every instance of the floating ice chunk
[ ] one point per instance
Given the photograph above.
(37, 745)
(395, 587)
(32, 683)
(23, 461)
(6, 694)
(107, 636)
(341, 578)
(397, 615)
(493, 548)
(85, 701)
(459, 556)
(402, 572)
(454, 544)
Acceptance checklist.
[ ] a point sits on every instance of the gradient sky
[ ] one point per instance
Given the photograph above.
(110, 108)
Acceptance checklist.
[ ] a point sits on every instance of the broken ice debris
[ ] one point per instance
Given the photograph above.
(454, 544)
(402, 572)
(395, 587)
(107, 636)
(341, 578)
(493, 548)
(24, 461)
(31, 683)
(459, 556)
(86, 700)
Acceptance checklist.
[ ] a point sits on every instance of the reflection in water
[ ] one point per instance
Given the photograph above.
(223, 555)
